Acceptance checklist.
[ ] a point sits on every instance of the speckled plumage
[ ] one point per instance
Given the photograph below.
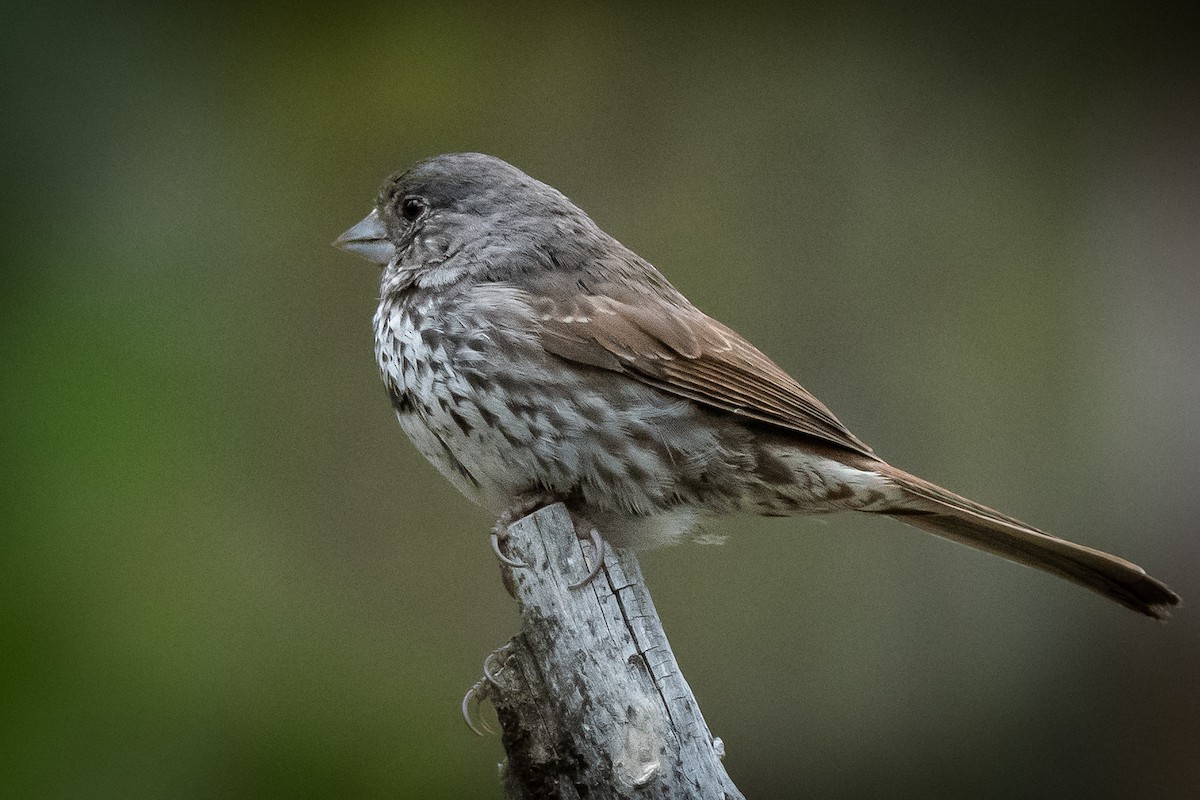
(528, 354)
(501, 418)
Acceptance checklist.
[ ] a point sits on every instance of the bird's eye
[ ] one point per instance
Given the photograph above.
(411, 208)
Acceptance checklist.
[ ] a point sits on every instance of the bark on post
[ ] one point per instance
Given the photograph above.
(590, 700)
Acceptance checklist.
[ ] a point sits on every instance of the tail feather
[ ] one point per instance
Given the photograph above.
(946, 514)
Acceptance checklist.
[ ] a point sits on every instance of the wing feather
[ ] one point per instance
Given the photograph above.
(680, 350)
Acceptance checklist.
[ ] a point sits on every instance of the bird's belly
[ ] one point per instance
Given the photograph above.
(502, 419)
(624, 448)
(465, 472)
(495, 448)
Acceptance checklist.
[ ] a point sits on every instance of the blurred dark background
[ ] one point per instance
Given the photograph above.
(974, 234)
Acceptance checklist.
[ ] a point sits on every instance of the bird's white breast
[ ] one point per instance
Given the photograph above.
(421, 382)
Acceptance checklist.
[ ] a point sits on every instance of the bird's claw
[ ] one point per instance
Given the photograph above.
(480, 690)
(470, 709)
(598, 546)
(522, 506)
(501, 532)
(492, 675)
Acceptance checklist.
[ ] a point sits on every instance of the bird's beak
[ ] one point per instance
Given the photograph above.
(368, 239)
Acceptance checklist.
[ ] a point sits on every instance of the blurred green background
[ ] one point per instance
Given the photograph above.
(974, 234)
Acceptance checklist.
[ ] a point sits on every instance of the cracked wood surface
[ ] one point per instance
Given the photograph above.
(590, 699)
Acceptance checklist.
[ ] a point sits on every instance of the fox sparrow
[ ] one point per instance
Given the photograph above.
(533, 358)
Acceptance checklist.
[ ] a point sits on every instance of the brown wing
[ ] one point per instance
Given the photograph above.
(680, 350)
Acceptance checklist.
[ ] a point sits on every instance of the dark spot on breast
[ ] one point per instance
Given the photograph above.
(401, 401)
(459, 467)
(555, 420)
(461, 422)
(514, 441)
(522, 411)
(476, 379)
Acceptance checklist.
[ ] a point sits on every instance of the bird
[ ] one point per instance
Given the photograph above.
(532, 358)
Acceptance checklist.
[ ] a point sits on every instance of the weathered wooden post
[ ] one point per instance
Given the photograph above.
(590, 700)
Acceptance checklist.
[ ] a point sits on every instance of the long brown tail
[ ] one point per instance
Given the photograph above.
(944, 513)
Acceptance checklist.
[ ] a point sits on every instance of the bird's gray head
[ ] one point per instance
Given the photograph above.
(464, 214)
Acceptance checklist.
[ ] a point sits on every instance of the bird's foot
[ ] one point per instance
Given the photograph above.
(593, 536)
(495, 663)
(470, 708)
(499, 534)
(522, 506)
(493, 666)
